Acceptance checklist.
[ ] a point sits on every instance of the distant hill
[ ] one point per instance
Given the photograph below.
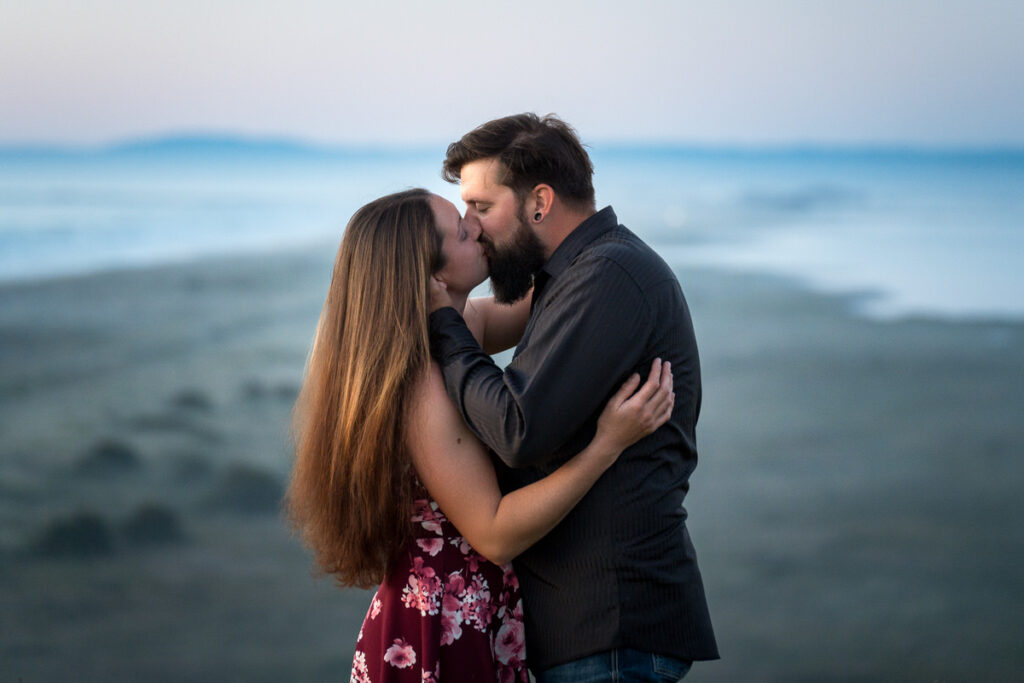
(203, 146)
(212, 146)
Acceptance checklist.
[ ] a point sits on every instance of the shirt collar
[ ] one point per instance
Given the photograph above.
(582, 235)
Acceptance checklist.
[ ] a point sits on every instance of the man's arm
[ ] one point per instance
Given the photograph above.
(591, 328)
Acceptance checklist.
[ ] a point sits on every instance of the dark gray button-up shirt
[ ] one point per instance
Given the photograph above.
(620, 570)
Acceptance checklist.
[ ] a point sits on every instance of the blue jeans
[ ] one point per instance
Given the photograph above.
(618, 666)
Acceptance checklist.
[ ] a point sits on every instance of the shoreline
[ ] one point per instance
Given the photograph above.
(859, 300)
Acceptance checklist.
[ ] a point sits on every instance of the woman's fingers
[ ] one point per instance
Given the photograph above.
(626, 390)
(662, 401)
(657, 387)
(652, 384)
(666, 391)
(666, 375)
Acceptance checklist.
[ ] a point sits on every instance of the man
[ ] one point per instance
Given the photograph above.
(614, 590)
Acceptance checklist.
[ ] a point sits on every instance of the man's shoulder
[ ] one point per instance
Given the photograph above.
(621, 248)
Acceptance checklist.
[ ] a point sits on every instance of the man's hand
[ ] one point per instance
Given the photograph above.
(438, 296)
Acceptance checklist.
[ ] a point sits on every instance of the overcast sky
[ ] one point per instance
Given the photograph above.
(929, 72)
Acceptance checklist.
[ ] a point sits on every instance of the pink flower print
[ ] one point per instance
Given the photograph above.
(462, 544)
(423, 591)
(400, 655)
(451, 608)
(375, 608)
(431, 546)
(517, 613)
(454, 587)
(473, 558)
(427, 514)
(430, 676)
(417, 596)
(510, 646)
(478, 588)
(360, 674)
(477, 608)
(426, 575)
(510, 579)
(451, 627)
(483, 612)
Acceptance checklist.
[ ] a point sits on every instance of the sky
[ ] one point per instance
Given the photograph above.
(747, 72)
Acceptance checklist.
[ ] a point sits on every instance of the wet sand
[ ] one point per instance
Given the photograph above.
(856, 510)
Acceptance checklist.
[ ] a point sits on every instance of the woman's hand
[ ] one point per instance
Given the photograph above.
(437, 295)
(630, 416)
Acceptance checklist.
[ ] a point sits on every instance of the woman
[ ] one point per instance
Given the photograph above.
(390, 486)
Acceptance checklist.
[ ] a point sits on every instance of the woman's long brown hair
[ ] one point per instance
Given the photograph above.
(351, 491)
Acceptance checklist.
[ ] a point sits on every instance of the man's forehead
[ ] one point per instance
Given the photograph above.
(483, 175)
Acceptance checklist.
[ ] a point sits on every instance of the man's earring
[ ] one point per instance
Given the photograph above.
(537, 217)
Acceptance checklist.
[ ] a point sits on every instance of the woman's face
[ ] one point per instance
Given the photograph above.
(465, 265)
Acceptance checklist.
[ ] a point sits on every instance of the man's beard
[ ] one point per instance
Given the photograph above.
(513, 265)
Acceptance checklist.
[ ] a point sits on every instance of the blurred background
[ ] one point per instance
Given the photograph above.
(838, 186)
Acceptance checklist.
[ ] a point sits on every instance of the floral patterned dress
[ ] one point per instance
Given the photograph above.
(444, 614)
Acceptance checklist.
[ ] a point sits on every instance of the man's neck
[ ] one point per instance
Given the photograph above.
(560, 225)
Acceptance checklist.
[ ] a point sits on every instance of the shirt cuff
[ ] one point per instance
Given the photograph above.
(449, 335)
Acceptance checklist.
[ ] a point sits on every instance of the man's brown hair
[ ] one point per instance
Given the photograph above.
(532, 150)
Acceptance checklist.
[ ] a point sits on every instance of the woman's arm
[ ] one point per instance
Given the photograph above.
(497, 326)
(458, 473)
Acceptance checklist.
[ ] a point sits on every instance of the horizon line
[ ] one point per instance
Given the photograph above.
(180, 140)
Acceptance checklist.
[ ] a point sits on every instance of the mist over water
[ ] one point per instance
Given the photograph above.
(915, 233)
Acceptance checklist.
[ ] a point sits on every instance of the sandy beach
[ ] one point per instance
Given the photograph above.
(856, 510)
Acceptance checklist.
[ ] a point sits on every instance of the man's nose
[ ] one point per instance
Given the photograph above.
(472, 223)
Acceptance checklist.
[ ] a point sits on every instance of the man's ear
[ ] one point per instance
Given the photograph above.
(542, 197)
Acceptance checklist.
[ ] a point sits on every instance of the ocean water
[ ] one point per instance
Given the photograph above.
(909, 232)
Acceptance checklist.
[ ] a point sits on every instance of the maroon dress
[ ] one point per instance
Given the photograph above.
(444, 614)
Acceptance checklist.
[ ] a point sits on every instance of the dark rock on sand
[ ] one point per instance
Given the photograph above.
(109, 457)
(192, 399)
(286, 391)
(152, 524)
(247, 489)
(255, 390)
(174, 422)
(188, 468)
(82, 535)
